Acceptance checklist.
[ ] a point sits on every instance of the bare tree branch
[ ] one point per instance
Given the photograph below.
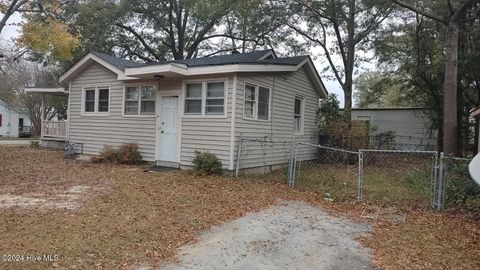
(421, 11)
(140, 39)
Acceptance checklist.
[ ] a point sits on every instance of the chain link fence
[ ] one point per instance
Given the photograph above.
(330, 172)
(460, 191)
(270, 154)
(381, 177)
(399, 177)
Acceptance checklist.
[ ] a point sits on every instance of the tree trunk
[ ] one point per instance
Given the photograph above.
(450, 90)
(462, 123)
(348, 103)
(350, 62)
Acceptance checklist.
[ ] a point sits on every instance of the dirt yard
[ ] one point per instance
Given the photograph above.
(106, 216)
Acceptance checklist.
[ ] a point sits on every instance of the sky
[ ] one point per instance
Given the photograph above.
(333, 87)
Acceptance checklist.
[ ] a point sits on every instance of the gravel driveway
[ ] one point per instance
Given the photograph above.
(289, 235)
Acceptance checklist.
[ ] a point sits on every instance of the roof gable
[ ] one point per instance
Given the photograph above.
(114, 64)
(120, 63)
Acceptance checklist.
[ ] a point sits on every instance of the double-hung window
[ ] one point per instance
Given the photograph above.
(193, 98)
(298, 115)
(139, 100)
(205, 98)
(256, 102)
(96, 100)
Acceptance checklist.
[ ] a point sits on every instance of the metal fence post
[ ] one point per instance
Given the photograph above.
(239, 155)
(441, 182)
(291, 165)
(434, 180)
(360, 177)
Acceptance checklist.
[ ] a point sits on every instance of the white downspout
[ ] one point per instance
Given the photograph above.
(232, 124)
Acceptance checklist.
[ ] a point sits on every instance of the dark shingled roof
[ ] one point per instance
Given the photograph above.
(117, 62)
(234, 58)
(294, 60)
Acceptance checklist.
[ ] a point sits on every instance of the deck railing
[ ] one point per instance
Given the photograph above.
(54, 129)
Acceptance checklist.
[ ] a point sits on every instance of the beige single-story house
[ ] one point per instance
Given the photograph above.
(411, 126)
(172, 109)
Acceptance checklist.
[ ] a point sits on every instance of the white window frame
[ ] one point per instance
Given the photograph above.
(139, 101)
(302, 115)
(255, 107)
(95, 111)
(202, 98)
(203, 112)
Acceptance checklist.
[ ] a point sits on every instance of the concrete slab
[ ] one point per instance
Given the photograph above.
(289, 235)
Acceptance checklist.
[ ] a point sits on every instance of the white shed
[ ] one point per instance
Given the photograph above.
(12, 120)
(411, 125)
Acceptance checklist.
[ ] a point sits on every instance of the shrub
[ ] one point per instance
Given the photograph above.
(108, 154)
(35, 144)
(127, 154)
(207, 163)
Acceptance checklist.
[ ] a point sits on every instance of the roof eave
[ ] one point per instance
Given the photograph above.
(315, 77)
(86, 60)
(183, 70)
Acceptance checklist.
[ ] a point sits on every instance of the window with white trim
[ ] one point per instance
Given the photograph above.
(298, 114)
(256, 102)
(193, 98)
(103, 99)
(215, 100)
(96, 100)
(139, 100)
(205, 98)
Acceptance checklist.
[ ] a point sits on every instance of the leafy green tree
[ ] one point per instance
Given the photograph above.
(377, 90)
(341, 29)
(450, 13)
(175, 29)
(411, 49)
(329, 111)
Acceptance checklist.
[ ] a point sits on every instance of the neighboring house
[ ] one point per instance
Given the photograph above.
(172, 109)
(14, 122)
(476, 114)
(411, 126)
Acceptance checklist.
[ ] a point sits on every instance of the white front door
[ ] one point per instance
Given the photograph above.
(168, 129)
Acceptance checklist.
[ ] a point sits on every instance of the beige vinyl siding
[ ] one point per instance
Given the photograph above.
(206, 133)
(97, 131)
(276, 134)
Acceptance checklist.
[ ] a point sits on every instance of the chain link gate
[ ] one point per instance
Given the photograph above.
(385, 177)
(400, 177)
(330, 172)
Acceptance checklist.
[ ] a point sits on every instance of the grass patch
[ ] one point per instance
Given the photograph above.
(382, 186)
(410, 188)
(328, 180)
